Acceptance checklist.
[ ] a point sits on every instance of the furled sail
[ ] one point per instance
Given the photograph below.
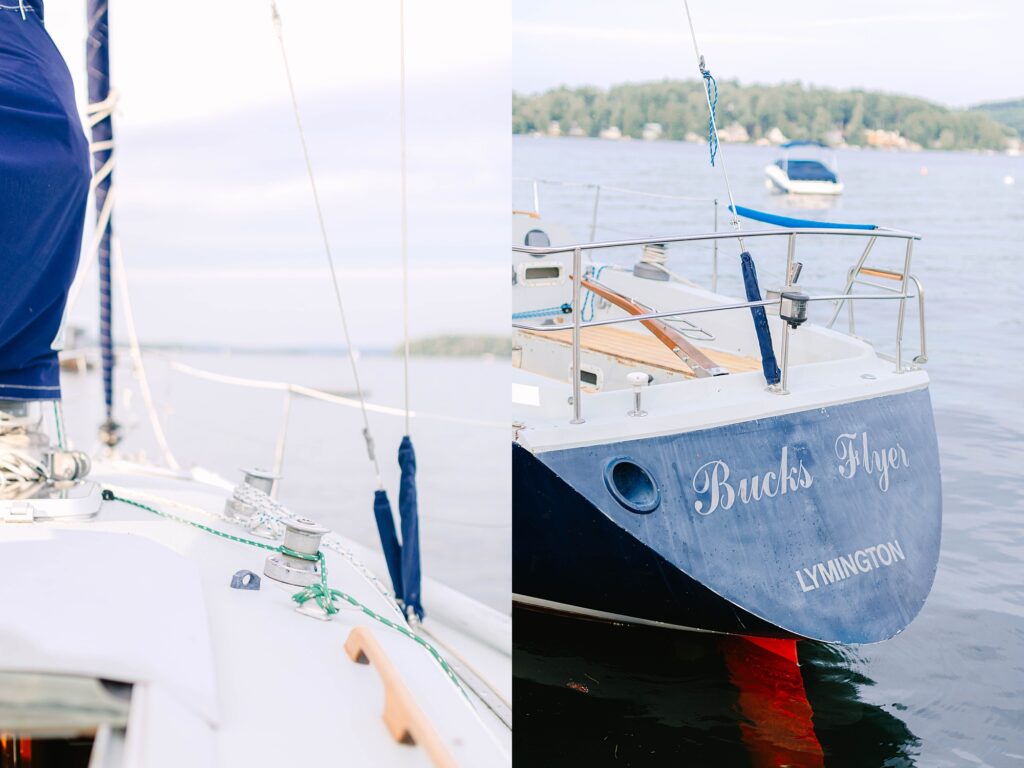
(44, 185)
(97, 53)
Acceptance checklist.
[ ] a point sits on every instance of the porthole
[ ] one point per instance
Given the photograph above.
(537, 238)
(632, 485)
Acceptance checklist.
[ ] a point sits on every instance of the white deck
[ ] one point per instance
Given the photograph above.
(225, 676)
(826, 367)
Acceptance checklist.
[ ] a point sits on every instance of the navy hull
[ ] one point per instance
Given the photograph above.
(822, 524)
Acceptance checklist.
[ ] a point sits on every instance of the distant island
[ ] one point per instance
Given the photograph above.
(767, 114)
(460, 346)
(1009, 113)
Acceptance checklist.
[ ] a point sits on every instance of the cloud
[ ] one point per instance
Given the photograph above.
(902, 18)
(641, 35)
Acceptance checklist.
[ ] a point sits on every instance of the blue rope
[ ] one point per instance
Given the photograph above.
(587, 313)
(564, 309)
(709, 83)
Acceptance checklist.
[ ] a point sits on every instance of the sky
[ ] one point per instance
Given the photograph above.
(955, 53)
(214, 209)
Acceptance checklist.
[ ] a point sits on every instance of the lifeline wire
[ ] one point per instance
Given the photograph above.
(705, 73)
(327, 245)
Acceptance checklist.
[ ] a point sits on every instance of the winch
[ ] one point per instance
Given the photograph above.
(297, 563)
(241, 505)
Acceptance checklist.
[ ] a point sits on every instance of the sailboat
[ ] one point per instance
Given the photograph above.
(693, 460)
(161, 616)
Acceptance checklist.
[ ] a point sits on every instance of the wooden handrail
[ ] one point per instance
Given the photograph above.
(695, 360)
(883, 273)
(403, 716)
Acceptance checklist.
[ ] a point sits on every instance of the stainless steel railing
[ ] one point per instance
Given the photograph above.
(847, 296)
(538, 184)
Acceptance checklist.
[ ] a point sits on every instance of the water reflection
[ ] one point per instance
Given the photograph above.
(589, 693)
(806, 202)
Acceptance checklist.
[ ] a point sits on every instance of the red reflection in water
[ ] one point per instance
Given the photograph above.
(778, 730)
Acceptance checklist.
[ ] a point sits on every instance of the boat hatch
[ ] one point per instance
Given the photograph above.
(60, 720)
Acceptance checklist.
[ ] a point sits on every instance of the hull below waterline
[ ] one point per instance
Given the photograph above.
(821, 524)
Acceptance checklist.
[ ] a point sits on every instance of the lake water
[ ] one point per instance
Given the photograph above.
(946, 692)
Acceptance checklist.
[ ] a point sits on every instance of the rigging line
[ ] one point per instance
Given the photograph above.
(327, 245)
(714, 125)
(405, 207)
(121, 278)
(95, 112)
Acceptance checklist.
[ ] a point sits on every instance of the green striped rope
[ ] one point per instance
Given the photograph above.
(321, 593)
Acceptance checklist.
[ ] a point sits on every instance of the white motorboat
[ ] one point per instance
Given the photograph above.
(803, 175)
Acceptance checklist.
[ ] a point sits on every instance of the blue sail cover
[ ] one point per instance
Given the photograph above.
(790, 223)
(388, 539)
(764, 334)
(408, 508)
(44, 184)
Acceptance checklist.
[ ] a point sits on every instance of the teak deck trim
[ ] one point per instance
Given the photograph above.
(642, 349)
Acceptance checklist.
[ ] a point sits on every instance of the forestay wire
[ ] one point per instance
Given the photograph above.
(709, 84)
(405, 210)
(367, 436)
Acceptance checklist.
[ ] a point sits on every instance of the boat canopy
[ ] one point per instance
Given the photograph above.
(807, 170)
(791, 223)
(802, 143)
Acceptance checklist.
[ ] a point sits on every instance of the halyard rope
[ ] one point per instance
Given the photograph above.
(712, 124)
(367, 436)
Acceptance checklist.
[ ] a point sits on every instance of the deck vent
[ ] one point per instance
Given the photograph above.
(632, 486)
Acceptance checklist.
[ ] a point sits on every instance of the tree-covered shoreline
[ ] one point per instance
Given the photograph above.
(677, 109)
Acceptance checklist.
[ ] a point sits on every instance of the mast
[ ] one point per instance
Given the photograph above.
(97, 53)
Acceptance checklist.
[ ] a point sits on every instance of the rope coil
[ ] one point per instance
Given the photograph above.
(709, 84)
(711, 92)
